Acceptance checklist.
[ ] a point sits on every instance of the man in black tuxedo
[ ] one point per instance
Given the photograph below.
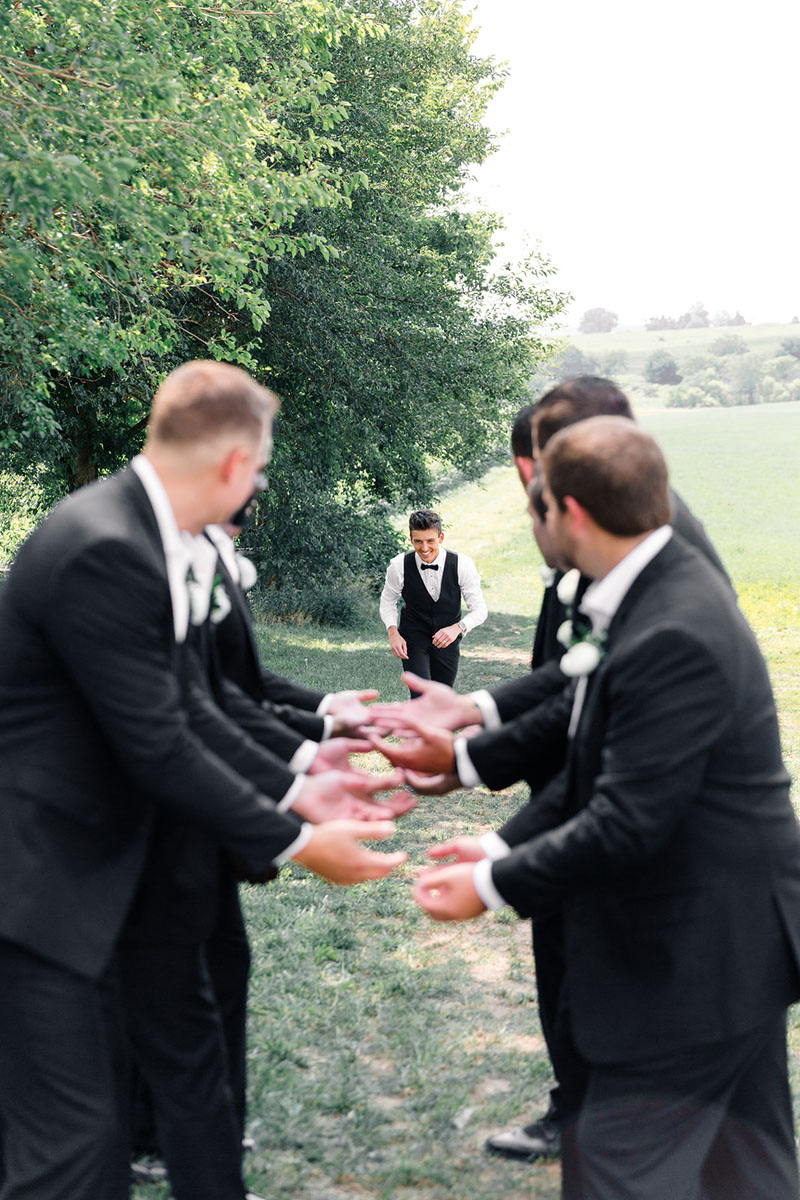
(95, 738)
(571, 401)
(673, 851)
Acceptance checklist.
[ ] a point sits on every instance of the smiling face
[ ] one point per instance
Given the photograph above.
(426, 542)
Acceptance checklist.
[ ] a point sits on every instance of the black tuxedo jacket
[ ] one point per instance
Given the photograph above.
(94, 732)
(676, 858)
(239, 661)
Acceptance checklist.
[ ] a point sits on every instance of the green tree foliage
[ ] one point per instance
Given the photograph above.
(661, 367)
(286, 197)
(148, 153)
(598, 320)
(791, 346)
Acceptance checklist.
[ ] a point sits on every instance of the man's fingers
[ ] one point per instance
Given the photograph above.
(432, 785)
(443, 850)
(376, 866)
(399, 756)
(415, 682)
(400, 802)
(367, 694)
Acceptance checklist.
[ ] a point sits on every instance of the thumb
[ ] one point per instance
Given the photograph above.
(369, 831)
(368, 694)
(443, 850)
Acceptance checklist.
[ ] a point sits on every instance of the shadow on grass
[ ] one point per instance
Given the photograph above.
(336, 659)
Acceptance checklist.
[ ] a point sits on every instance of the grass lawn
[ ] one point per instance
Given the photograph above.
(385, 1048)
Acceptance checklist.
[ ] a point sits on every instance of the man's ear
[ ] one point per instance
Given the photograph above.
(526, 468)
(577, 512)
(230, 463)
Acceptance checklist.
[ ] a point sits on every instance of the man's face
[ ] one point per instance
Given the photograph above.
(247, 476)
(557, 531)
(426, 542)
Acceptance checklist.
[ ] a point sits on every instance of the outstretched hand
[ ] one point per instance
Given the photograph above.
(334, 755)
(437, 704)
(462, 849)
(351, 716)
(448, 893)
(427, 749)
(334, 851)
(337, 795)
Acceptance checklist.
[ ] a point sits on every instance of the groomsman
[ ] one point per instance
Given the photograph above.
(95, 739)
(673, 850)
(431, 582)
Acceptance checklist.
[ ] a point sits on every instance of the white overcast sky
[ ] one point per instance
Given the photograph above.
(652, 150)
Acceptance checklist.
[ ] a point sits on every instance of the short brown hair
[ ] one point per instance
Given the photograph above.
(202, 400)
(614, 470)
(576, 400)
(424, 518)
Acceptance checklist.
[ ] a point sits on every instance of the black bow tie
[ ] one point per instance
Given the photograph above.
(429, 566)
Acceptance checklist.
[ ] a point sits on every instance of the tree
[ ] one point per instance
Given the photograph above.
(662, 368)
(149, 153)
(598, 320)
(791, 346)
(730, 343)
(326, 252)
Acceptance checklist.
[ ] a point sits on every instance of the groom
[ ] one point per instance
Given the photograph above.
(94, 740)
(673, 855)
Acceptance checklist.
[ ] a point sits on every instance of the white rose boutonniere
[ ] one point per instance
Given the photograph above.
(567, 586)
(247, 572)
(564, 634)
(584, 656)
(198, 600)
(220, 601)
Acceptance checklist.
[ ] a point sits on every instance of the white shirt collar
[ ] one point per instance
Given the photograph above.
(438, 561)
(180, 548)
(226, 548)
(603, 597)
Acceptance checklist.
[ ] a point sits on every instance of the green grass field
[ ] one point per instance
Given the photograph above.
(384, 1048)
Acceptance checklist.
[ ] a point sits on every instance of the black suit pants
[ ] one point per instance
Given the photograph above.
(178, 1043)
(713, 1122)
(569, 1066)
(63, 1086)
(431, 662)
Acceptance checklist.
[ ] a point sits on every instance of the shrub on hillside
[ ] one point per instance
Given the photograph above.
(574, 362)
(791, 346)
(689, 395)
(662, 368)
(730, 343)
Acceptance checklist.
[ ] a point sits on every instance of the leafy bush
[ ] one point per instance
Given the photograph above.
(344, 604)
(662, 368)
(690, 396)
(574, 362)
(730, 343)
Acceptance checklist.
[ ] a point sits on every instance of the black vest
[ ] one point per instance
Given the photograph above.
(421, 613)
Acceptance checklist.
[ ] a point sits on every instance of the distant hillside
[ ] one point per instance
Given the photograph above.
(624, 355)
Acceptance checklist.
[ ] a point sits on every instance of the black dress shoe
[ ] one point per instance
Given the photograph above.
(542, 1139)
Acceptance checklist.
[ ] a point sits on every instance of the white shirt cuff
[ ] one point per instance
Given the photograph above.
(288, 800)
(297, 845)
(327, 728)
(466, 772)
(482, 879)
(494, 846)
(324, 704)
(303, 757)
(488, 709)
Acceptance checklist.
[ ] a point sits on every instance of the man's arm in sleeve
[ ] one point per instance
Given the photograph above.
(111, 630)
(663, 720)
(470, 585)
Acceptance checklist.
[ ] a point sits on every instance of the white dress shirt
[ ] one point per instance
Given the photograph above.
(600, 602)
(468, 581)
